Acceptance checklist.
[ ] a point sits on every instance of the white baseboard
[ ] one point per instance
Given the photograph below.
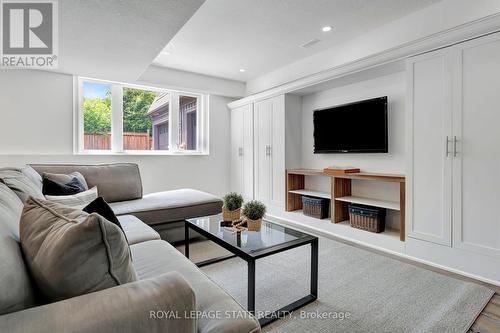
(272, 216)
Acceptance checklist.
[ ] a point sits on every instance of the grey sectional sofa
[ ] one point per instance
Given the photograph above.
(167, 282)
(120, 185)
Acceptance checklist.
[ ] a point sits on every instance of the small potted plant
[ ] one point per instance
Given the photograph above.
(254, 211)
(232, 207)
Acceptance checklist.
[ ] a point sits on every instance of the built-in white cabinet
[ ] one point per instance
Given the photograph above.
(476, 125)
(428, 136)
(241, 151)
(265, 140)
(269, 143)
(453, 142)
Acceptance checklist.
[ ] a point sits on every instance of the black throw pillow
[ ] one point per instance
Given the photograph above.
(51, 187)
(101, 207)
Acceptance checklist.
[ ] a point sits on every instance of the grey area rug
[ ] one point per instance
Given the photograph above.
(359, 291)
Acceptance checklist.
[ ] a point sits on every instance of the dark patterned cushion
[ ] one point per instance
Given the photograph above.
(52, 187)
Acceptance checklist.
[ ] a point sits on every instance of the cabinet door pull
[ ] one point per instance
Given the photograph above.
(268, 150)
(240, 151)
(447, 143)
(455, 152)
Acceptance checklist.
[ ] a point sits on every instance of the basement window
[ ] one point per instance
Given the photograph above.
(119, 118)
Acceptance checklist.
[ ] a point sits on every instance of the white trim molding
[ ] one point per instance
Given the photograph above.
(117, 148)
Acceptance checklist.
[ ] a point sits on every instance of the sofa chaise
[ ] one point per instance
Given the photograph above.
(168, 283)
(120, 185)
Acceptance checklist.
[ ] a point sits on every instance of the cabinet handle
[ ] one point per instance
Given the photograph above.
(455, 152)
(268, 150)
(240, 151)
(447, 143)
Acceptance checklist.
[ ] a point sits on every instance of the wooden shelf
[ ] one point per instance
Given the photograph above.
(341, 193)
(371, 202)
(307, 172)
(386, 177)
(312, 193)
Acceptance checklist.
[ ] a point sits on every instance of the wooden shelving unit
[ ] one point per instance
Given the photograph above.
(340, 194)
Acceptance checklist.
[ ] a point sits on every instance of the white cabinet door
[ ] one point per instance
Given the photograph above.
(248, 166)
(236, 150)
(477, 163)
(429, 164)
(242, 151)
(263, 145)
(278, 151)
(270, 150)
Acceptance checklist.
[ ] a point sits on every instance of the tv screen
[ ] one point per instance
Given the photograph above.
(359, 127)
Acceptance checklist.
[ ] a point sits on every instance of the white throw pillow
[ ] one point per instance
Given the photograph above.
(79, 200)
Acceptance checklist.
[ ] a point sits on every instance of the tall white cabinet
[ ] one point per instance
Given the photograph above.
(265, 130)
(269, 143)
(241, 151)
(453, 127)
(476, 166)
(429, 132)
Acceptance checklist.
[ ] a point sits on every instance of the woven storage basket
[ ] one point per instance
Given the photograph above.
(254, 225)
(315, 207)
(367, 218)
(231, 215)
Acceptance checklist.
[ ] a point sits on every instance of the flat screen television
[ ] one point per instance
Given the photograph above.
(359, 127)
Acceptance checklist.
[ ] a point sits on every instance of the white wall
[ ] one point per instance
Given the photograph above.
(36, 125)
(393, 86)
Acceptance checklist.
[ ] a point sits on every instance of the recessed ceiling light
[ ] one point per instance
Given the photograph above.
(242, 70)
(326, 28)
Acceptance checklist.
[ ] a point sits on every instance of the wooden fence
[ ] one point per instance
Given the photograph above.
(131, 141)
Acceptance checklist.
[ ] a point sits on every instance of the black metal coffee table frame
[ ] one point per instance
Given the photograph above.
(251, 258)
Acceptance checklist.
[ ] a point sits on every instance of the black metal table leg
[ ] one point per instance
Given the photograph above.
(251, 286)
(287, 309)
(314, 268)
(186, 239)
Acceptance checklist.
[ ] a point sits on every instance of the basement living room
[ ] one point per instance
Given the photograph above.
(249, 166)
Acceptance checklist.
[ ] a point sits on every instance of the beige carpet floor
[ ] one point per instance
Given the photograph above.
(359, 291)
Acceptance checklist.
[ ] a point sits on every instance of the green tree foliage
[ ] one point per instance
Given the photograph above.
(97, 114)
(136, 104)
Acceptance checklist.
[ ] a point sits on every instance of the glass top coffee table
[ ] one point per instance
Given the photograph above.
(252, 245)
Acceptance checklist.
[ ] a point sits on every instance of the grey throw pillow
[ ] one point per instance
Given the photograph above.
(15, 287)
(22, 185)
(34, 176)
(64, 179)
(70, 252)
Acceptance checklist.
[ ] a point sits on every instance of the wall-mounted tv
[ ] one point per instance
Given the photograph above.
(359, 127)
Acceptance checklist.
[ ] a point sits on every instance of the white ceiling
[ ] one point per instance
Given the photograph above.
(117, 39)
(263, 35)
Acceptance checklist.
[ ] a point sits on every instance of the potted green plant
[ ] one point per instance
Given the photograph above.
(254, 211)
(232, 207)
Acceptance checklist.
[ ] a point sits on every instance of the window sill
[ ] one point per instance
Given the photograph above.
(139, 153)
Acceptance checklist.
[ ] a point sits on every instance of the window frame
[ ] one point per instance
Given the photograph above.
(202, 132)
